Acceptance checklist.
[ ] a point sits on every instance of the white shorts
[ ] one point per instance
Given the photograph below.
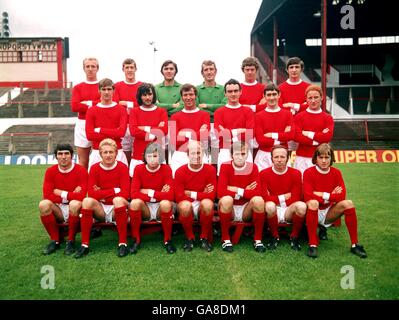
(108, 210)
(95, 157)
(225, 156)
(263, 160)
(127, 141)
(322, 213)
(302, 163)
(64, 209)
(238, 210)
(281, 214)
(196, 204)
(80, 138)
(153, 207)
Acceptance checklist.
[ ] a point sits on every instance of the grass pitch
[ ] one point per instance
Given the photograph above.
(245, 274)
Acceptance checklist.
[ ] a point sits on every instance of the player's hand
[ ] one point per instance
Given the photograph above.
(96, 188)
(318, 193)
(232, 189)
(144, 191)
(326, 130)
(176, 105)
(287, 196)
(57, 192)
(268, 135)
(187, 193)
(209, 188)
(287, 129)
(337, 190)
(123, 103)
(165, 188)
(288, 105)
(262, 101)
(78, 189)
(161, 124)
(252, 186)
(203, 105)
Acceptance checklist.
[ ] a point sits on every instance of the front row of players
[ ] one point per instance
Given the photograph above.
(275, 194)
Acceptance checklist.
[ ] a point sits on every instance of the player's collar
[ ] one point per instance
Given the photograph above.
(148, 109)
(250, 83)
(294, 83)
(155, 170)
(278, 172)
(233, 107)
(195, 170)
(109, 168)
(91, 82)
(130, 83)
(100, 105)
(239, 168)
(322, 171)
(272, 110)
(67, 170)
(314, 112)
(190, 111)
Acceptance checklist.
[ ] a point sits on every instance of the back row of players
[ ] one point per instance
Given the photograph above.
(134, 113)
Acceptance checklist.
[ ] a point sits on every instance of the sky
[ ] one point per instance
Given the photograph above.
(185, 31)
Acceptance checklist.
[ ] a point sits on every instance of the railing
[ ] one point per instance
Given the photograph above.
(267, 63)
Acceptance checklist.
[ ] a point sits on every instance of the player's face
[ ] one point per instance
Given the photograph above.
(323, 161)
(195, 155)
(169, 71)
(108, 155)
(188, 98)
(279, 159)
(130, 71)
(106, 94)
(64, 159)
(313, 98)
(249, 73)
(90, 68)
(152, 160)
(240, 156)
(147, 99)
(233, 93)
(294, 71)
(209, 72)
(272, 98)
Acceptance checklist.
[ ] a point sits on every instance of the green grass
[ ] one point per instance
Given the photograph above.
(245, 274)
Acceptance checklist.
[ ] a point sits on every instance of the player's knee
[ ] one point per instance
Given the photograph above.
(45, 207)
(348, 204)
(184, 208)
(165, 206)
(258, 204)
(74, 207)
(136, 204)
(226, 204)
(207, 206)
(313, 204)
(119, 202)
(270, 208)
(88, 203)
(300, 208)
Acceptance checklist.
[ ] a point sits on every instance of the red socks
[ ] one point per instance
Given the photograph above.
(225, 223)
(258, 220)
(73, 225)
(297, 222)
(50, 225)
(135, 223)
(121, 223)
(206, 224)
(273, 225)
(167, 223)
(311, 225)
(187, 223)
(86, 222)
(351, 224)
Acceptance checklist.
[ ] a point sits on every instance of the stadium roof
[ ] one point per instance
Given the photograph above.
(296, 18)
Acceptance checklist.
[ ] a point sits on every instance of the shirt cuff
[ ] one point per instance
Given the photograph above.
(188, 134)
(234, 132)
(252, 107)
(151, 193)
(64, 195)
(151, 136)
(326, 196)
(281, 199)
(193, 195)
(315, 143)
(276, 142)
(97, 130)
(311, 135)
(240, 192)
(117, 190)
(89, 103)
(130, 104)
(275, 135)
(296, 107)
(147, 128)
